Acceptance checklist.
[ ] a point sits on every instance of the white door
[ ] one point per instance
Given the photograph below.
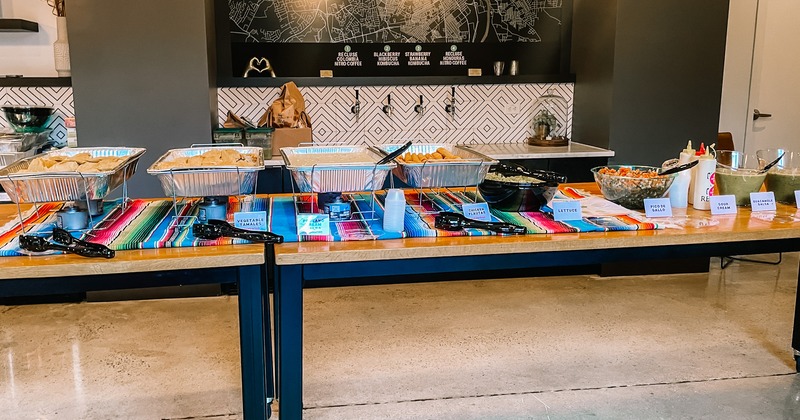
(762, 71)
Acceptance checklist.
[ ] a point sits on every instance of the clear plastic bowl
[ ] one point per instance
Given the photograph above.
(630, 191)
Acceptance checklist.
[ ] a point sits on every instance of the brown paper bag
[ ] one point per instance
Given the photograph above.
(288, 111)
(234, 121)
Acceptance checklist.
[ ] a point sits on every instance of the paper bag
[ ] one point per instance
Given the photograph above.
(288, 111)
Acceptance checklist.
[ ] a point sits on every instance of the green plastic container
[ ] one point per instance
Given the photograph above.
(260, 137)
(228, 135)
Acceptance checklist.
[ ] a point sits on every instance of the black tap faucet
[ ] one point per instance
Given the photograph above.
(450, 108)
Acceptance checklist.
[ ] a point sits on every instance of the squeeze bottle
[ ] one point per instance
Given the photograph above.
(394, 211)
(704, 180)
(693, 155)
(679, 191)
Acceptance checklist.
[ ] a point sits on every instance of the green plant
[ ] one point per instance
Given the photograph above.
(58, 7)
(545, 117)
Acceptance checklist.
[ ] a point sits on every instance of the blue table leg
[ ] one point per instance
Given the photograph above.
(253, 330)
(796, 328)
(289, 340)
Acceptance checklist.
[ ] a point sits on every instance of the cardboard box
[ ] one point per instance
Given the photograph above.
(289, 137)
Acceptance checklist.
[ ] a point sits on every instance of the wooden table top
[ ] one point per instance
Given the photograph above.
(136, 261)
(731, 228)
(744, 226)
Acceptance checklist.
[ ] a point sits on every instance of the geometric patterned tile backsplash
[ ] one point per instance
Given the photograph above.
(482, 115)
(59, 98)
(490, 113)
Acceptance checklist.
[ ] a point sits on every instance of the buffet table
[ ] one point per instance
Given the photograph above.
(301, 262)
(61, 274)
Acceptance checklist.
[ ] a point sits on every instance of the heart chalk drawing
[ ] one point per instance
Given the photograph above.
(260, 65)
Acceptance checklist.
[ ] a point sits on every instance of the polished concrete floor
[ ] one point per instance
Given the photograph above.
(713, 346)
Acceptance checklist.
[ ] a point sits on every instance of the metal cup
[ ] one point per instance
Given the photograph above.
(498, 67)
(514, 69)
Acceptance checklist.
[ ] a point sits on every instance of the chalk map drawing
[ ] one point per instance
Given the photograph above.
(390, 21)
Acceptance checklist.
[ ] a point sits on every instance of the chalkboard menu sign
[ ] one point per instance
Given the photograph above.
(368, 38)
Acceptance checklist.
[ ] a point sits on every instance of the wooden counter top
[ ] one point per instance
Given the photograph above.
(135, 261)
(731, 228)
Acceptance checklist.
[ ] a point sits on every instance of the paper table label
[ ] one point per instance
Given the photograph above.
(723, 204)
(657, 207)
(477, 211)
(251, 220)
(313, 224)
(566, 210)
(762, 201)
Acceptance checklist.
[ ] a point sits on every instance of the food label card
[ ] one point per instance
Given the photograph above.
(657, 207)
(477, 211)
(313, 224)
(723, 204)
(762, 201)
(251, 220)
(565, 210)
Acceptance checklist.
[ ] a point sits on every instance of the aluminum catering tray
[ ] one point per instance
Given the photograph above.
(22, 142)
(351, 172)
(471, 169)
(211, 180)
(39, 187)
(7, 158)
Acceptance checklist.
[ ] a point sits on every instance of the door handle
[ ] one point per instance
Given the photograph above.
(757, 114)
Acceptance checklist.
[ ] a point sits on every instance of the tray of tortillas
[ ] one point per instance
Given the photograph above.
(70, 174)
(209, 171)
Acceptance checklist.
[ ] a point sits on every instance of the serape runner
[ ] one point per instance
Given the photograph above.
(599, 214)
(153, 223)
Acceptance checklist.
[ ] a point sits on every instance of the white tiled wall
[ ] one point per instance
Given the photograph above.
(58, 97)
(491, 113)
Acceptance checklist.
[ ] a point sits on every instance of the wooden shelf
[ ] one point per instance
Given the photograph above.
(18, 25)
(393, 81)
(35, 81)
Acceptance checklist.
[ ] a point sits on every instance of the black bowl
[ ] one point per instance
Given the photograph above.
(28, 118)
(520, 196)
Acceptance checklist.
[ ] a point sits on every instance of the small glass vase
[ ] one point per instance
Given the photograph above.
(61, 48)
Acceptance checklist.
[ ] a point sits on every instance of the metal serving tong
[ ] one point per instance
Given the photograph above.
(453, 221)
(66, 243)
(217, 228)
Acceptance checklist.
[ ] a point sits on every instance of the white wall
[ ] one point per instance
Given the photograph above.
(28, 53)
(735, 111)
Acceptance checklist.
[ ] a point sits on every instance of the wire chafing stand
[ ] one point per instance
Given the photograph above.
(434, 177)
(79, 187)
(350, 176)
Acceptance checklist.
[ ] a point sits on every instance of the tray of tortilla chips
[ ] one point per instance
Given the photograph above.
(69, 174)
(208, 171)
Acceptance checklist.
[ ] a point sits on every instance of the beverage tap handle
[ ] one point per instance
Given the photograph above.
(387, 109)
(356, 108)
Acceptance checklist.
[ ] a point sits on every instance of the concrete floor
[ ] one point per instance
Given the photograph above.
(682, 346)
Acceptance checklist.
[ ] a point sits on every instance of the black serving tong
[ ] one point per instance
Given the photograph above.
(71, 246)
(680, 168)
(453, 221)
(769, 166)
(215, 229)
(391, 156)
(512, 169)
